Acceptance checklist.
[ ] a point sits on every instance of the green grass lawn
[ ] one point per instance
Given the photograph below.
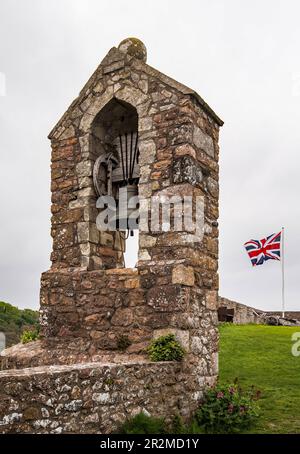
(261, 356)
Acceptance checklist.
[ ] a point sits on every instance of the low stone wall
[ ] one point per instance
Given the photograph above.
(289, 315)
(49, 352)
(93, 398)
(242, 314)
(245, 314)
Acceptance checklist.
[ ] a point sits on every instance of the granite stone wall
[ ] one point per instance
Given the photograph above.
(91, 398)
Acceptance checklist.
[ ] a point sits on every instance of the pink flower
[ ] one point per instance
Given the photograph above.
(231, 390)
(230, 408)
(220, 395)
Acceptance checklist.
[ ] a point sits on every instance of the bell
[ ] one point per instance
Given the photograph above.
(128, 213)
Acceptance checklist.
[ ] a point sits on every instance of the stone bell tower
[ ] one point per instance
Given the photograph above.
(132, 130)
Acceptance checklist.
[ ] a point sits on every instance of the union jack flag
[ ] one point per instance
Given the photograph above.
(266, 249)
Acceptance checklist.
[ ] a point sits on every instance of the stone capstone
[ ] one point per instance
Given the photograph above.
(134, 47)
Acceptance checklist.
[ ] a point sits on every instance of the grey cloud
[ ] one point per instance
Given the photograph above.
(242, 58)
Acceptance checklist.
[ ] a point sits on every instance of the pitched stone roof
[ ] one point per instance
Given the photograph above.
(184, 90)
(116, 60)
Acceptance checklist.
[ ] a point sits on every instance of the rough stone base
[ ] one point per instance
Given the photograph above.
(93, 397)
(49, 352)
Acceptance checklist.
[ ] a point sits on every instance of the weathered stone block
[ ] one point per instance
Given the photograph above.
(184, 275)
(84, 168)
(212, 300)
(144, 255)
(185, 150)
(88, 231)
(203, 141)
(169, 298)
(146, 241)
(132, 283)
(122, 317)
(187, 170)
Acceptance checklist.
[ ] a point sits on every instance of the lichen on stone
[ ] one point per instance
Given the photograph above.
(134, 47)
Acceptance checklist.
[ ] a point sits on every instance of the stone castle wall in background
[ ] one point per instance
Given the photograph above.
(242, 314)
(89, 301)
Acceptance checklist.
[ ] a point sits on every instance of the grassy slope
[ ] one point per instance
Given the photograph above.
(261, 356)
(14, 321)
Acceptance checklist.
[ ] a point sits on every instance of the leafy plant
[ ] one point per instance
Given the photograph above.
(166, 348)
(227, 409)
(143, 424)
(29, 336)
(177, 426)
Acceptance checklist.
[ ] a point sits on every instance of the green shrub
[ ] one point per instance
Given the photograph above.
(29, 336)
(165, 348)
(227, 410)
(177, 426)
(143, 424)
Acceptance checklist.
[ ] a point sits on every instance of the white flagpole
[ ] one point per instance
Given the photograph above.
(282, 272)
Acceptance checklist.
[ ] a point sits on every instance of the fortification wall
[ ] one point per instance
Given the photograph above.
(91, 398)
(242, 314)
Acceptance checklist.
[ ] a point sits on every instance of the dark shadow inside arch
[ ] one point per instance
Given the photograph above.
(115, 133)
(116, 117)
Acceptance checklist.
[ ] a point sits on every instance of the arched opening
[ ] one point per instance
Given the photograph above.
(115, 152)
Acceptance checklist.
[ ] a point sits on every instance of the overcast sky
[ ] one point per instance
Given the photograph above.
(242, 57)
